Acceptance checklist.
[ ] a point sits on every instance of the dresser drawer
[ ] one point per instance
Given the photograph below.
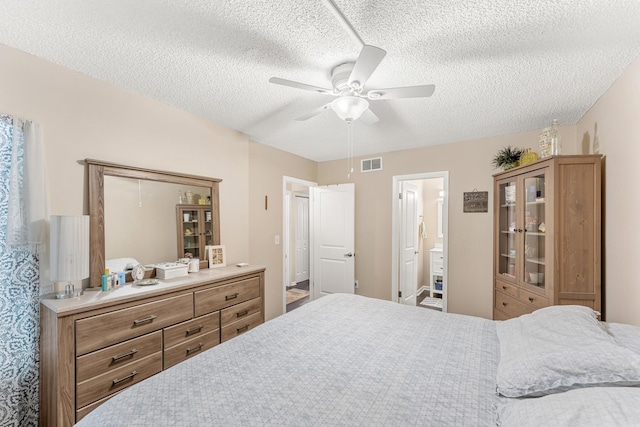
(115, 380)
(213, 299)
(106, 329)
(507, 288)
(510, 305)
(188, 348)
(101, 361)
(176, 334)
(241, 326)
(533, 299)
(240, 311)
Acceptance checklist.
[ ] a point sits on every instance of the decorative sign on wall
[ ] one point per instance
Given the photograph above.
(475, 201)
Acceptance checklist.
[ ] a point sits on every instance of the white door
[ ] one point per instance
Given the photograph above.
(302, 239)
(408, 244)
(333, 239)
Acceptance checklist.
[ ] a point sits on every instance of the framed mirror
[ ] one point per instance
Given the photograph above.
(133, 213)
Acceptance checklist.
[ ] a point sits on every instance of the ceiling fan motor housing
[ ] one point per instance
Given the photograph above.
(340, 78)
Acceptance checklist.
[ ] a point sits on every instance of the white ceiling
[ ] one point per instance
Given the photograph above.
(500, 66)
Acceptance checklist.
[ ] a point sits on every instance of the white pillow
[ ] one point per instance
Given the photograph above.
(558, 348)
(595, 406)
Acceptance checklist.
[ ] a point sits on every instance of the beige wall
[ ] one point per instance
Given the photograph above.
(470, 234)
(85, 118)
(82, 117)
(267, 167)
(617, 118)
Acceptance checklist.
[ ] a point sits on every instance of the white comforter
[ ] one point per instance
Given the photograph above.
(340, 360)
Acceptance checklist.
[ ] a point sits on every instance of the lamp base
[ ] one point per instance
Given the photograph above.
(63, 295)
(69, 292)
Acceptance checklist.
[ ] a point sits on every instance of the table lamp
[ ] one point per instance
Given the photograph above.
(69, 243)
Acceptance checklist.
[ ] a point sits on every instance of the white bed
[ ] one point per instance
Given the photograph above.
(340, 360)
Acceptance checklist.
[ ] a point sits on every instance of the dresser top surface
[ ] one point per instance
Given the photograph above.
(95, 298)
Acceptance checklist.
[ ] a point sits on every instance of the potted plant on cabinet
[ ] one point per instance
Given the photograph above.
(507, 157)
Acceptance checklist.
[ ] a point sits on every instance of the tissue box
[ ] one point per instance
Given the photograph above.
(171, 270)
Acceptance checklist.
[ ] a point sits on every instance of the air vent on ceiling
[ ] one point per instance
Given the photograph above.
(370, 165)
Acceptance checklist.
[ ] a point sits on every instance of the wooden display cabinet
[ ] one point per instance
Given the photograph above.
(547, 225)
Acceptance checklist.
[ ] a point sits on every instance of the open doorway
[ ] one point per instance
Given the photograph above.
(420, 244)
(296, 243)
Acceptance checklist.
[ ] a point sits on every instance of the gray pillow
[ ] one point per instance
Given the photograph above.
(595, 406)
(558, 348)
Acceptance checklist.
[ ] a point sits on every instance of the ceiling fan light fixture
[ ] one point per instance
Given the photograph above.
(349, 108)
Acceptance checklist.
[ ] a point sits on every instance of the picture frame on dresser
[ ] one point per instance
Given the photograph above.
(217, 256)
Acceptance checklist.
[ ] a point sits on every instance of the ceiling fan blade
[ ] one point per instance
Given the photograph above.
(423, 91)
(369, 117)
(313, 113)
(368, 60)
(297, 85)
(343, 21)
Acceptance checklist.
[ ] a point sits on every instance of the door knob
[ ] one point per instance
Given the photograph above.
(349, 255)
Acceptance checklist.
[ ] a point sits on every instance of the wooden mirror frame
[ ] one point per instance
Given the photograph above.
(99, 169)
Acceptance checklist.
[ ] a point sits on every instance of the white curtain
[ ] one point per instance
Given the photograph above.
(27, 222)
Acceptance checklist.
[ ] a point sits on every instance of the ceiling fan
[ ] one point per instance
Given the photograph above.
(348, 82)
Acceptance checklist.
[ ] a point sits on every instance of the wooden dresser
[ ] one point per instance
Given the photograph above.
(547, 235)
(94, 346)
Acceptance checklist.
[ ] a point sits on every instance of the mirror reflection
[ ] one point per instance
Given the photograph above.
(140, 217)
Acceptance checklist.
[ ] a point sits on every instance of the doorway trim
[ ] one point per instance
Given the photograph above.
(395, 215)
(286, 220)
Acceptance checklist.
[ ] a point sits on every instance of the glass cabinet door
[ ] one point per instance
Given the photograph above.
(533, 228)
(191, 233)
(507, 226)
(208, 228)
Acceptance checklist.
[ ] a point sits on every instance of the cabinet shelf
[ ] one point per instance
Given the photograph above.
(539, 261)
(535, 233)
(508, 256)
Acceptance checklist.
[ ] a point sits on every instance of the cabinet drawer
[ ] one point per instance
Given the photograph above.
(241, 326)
(511, 306)
(498, 315)
(188, 348)
(117, 379)
(110, 328)
(507, 288)
(191, 329)
(240, 311)
(535, 300)
(437, 268)
(214, 299)
(101, 361)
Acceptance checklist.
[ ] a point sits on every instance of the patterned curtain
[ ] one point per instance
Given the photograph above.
(19, 294)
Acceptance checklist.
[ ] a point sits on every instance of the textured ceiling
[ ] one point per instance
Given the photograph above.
(499, 66)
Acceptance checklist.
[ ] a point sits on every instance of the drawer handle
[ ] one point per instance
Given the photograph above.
(193, 349)
(233, 296)
(504, 304)
(128, 377)
(145, 320)
(194, 330)
(242, 313)
(504, 287)
(530, 299)
(243, 329)
(123, 356)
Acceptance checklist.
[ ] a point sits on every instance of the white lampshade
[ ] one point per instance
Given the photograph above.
(349, 108)
(69, 242)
